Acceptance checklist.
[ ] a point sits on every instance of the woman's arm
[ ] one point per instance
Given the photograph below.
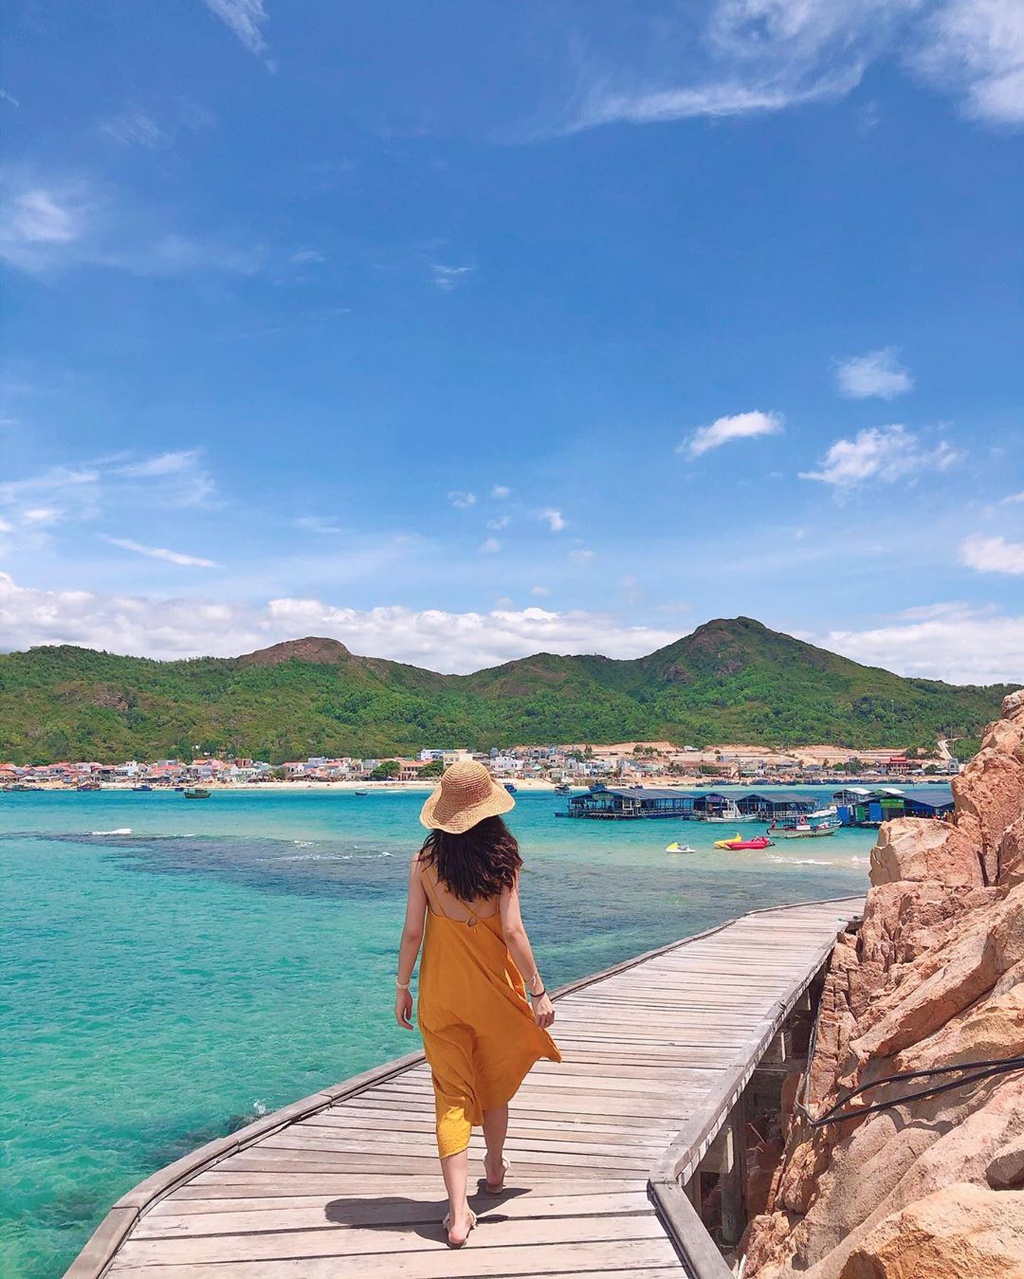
(519, 948)
(412, 936)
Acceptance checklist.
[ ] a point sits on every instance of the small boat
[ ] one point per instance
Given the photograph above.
(738, 844)
(361, 792)
(563, 788)
(816, 825)
(676, 847)
(196, 792)
(142, 788)
(511, 787)
(88, 786)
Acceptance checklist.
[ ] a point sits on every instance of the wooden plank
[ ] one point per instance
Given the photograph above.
(439, 1263)
(327, 1214)
(392, 1240)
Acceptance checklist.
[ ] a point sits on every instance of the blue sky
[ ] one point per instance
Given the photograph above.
(464, 331)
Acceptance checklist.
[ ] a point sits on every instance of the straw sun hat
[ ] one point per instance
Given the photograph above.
(467, 794)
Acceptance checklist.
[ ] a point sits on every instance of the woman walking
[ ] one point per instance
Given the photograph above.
(480, 1033)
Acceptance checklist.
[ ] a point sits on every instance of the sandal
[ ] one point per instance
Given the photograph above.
(447, 1226)
(496, 1187)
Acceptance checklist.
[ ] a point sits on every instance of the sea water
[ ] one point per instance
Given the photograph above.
(174, 968)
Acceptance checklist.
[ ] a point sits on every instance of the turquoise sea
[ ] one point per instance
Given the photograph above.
(220, 958)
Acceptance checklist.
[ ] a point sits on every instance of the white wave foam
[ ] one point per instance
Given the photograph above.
(121, 830)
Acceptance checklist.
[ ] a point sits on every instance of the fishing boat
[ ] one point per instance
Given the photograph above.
(361, 792)
(817, 825)
(730, 815)
(511, 787)
(142, 788)
(563, 788)
(738, 844)
(196, 792)
(676, 847)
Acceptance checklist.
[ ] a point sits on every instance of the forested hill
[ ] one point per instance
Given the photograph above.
(730, 681)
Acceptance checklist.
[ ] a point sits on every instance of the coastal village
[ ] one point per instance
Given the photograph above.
(624, 763)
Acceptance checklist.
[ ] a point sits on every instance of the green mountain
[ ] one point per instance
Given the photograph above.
(730, 681)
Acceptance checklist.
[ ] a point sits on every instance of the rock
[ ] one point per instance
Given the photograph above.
(1010, 855)
(1013, 707)
(917, 848)
(989, 797)
(1006, 1171)
(946, 983)
(932, 1187)
(959, 1232)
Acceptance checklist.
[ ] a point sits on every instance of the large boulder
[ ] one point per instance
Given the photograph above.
(989, 797)
(959, 1232)
(917, 849)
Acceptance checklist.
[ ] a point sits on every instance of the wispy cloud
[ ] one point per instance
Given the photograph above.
(555, 519)
(159, 553)
(992, 554)
(50, 224)
(742, 426)
(501, 491)
(747, 56)
(497, 525)
(740, 57)
(582, 555)
(133, 127)
(320, 524)
(539, 590)
(246, 18)
(878, 374)
(883, 453)
(447, 278)
(975, 49)
(462, 501)
(490, 547)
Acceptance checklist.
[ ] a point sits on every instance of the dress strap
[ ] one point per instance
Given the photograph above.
(430, 883)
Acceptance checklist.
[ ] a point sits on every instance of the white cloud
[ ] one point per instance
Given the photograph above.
(975, 48)
(950, 642)
(741, 426)
(885, 453)
(539, 590)
(992, 555)
(56, 223)
(41, 514)
(321, 524)
(135, 128)
(582, 555)
(246, 18)
(878, 374)
(1011, 499)
(448, 278)
(748, 56)
(462, 500)
(497, 525)
(159, 553)
(169, 481)
(501, 491)
(440, 640)
(555, 520)
(37, 222)
(490, 547)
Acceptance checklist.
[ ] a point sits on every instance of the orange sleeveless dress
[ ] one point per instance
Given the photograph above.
(478, 1029)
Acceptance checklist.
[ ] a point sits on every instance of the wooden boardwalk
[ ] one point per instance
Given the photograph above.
(346, 1183)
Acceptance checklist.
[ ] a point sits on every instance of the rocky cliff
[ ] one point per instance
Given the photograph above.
(930, 1188)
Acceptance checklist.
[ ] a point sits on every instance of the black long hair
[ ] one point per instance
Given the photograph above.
(478, 863)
